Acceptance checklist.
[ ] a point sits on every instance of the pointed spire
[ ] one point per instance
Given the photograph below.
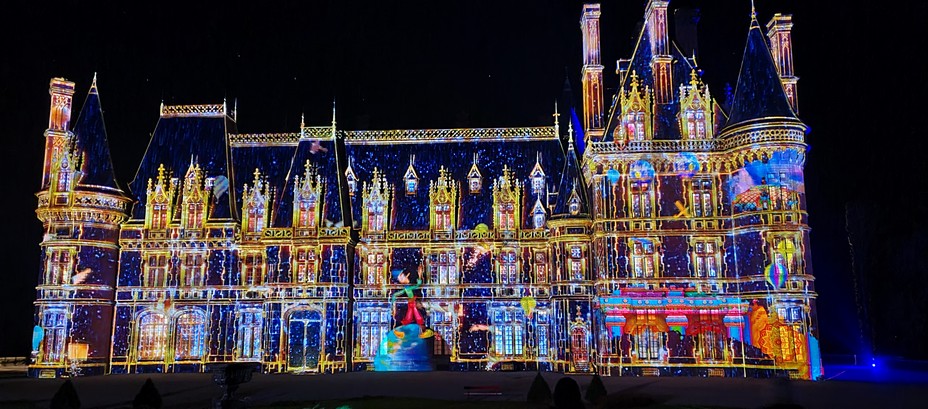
(759, 93)
(93, 84)
(90, 142)
(556, 115)
(753, 13)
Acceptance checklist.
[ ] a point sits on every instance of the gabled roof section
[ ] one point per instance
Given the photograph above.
(90, 139)
(182, 132)
(571, 187)
(759, 93)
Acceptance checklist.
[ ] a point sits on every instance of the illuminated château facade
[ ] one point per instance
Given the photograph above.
(667, 236)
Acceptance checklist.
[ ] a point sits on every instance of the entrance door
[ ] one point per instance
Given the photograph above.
(579, 349)
(304, 332)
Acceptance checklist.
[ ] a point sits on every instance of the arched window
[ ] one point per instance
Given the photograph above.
(153, 329)
(190, 336)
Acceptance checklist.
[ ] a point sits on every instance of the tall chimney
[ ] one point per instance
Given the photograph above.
(779, 32)
(592, 73)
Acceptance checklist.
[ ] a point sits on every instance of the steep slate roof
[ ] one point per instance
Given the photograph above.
(90, 139)
(411, 212)
(179, 136)
(571, 180)
(759, 93)
(272, 159)
(666, 126)
(320, 153)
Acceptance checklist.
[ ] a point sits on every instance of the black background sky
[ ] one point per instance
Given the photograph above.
(437, 64)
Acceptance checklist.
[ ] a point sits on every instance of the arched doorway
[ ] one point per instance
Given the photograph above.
(304, 340)
(580, 348)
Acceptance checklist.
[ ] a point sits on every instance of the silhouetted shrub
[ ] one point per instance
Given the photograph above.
(539, 392)
(148, 397)
(567, 394)
(596, 392)
(66, 397)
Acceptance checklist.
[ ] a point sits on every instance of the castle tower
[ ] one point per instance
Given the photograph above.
(770, 184)
(570, 227)
(592, 73)
(81, 208)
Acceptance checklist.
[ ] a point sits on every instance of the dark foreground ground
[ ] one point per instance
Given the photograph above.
(846, 387)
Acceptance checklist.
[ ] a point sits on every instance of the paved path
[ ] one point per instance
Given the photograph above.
(196, 390)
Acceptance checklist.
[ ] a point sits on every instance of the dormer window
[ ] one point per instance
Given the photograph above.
(538, 215)
(351, 178)
(574, 206)
(306, 192)
(411, 178)
(474, 178)
(634, 125)
(695, 109)
(636, 111)
(538, 176)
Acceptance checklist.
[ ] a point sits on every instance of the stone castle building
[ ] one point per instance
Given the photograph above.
(661, 232)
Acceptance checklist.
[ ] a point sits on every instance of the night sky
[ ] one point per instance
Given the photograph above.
(427, 64)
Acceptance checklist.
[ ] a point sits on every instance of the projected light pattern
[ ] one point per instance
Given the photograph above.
(674, 243)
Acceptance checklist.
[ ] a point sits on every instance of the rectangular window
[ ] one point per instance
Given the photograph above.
(305, 265)
(375, 216)
(59, 265)
(701, 197)
(443, 267)
(508, 267)
(159, 215)
(194, 267)
(541, 267)
(441, 322)
(443, 217)
(508, 325)
(307, 213)
(641, 198)
(194, 215)
(375, 322)
(376, 268)
(55, 325)
(252, 268)
(507, 218)
(250, 326)
(541, 331)
(643, 258)
(647, 344)
(706, 258)
(155, 270)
